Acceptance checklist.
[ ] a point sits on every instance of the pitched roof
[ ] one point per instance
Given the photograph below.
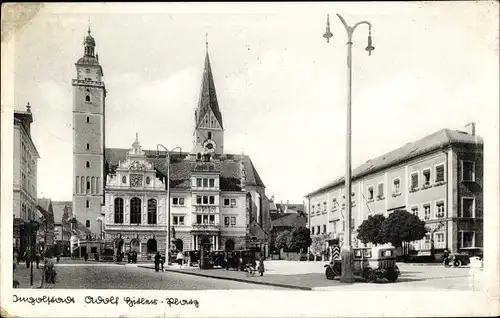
(439, 139)
(43, 203)
(208, 96)
(290, 220)
(180, 169)
(58, 209)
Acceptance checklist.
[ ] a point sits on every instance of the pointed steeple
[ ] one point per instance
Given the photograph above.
(208, 96)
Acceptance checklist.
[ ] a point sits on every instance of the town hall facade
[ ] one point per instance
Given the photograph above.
(121, 194)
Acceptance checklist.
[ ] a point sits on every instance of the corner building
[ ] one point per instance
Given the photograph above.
(439, 178)
(215, 197)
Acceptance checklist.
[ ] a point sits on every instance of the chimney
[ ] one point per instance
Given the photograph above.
(28, 107)
(471, 128)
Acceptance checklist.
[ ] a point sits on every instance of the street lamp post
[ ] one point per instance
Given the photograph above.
(168, 195)
(346, 252)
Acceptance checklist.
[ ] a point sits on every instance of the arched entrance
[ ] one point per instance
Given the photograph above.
(229, 245)
(152, 246)
(179, 245)
(134, 245)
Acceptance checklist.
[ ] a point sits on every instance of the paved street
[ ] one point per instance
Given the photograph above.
(77, 274)
(92, 275)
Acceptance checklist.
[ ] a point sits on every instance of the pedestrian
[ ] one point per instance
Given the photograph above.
(27, 259)
(261, 264)
(134, 257)
(157, 261)
(86, 256)
(446, 258)
(37, 260)
(162, 262)
(58, 257)
(180, 258)
(128, 257)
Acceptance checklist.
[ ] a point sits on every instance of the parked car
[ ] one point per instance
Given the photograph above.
(370, 263)
(239, 259)
(193, 257)
(218, 258)
(460, 259)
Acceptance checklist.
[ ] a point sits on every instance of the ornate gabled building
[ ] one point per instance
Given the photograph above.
(135, 209)
(215, 198)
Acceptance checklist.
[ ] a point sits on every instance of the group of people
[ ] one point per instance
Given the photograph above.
(48, 270)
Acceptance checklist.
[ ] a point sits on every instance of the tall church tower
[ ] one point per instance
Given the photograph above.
(89, 94)
(209, 130)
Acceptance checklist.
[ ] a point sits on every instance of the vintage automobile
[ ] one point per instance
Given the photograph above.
(239, 259)
(193, 257)
(459, 259)
(218, 258)
(370, 263)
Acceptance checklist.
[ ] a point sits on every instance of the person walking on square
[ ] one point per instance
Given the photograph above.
(180, 258)
(37, 260)
(157, 261)
(261, 264)
(162, 260)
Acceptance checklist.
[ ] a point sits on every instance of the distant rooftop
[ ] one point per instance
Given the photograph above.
(422, 146)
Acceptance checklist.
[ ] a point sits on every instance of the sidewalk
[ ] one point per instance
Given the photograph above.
(22, 274)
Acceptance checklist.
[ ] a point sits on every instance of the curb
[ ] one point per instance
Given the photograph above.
(234, 279)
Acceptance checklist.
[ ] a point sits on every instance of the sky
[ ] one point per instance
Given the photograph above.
(281, 88)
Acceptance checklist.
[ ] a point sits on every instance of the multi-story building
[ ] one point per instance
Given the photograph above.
(215, 198)
(439, 178)
(46, 227)
(62, 226)
(25, 178)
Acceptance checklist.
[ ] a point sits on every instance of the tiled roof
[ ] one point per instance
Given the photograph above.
(411, 150)
(208, 96)
(58, 209)
(180, 170)
(290, 220)
(44, 205)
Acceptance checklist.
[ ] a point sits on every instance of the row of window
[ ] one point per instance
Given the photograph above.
(205, 199)
(135, 211)
(206, 219)
(87, 185)
(205, 183)
(27, 160)
(27, 185)
(438, 210)
(464, 239)
(318, 229)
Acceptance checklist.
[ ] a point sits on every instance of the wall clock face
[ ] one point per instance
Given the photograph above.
(210, 145)
(136, 180)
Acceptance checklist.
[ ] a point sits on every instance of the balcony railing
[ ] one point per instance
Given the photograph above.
(86, 82)
(205, 209)
(214, 226)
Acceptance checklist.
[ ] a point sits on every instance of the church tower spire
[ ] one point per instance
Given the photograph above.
(209, 129)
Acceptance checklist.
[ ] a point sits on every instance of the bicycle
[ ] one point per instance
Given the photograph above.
(250, 270)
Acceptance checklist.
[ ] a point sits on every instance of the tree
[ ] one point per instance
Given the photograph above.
(402, 226)
(316, 246)
(370, 230)
(299, 238)
(281, 240)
